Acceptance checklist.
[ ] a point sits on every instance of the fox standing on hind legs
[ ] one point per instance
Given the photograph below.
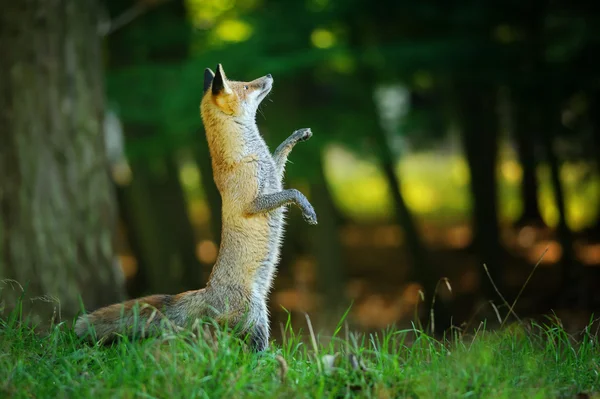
(249, 180)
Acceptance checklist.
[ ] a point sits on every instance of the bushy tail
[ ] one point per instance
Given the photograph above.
(136, 317)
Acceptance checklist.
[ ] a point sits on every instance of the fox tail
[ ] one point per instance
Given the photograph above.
(141, 317)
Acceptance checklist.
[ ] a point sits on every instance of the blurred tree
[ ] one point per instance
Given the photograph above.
(584, 18)
(56, 202)
(476, 111)
(141, 69)
(543, 41)
(327, 245)
(323, 241)
(211, 192)
(528, 21)
(526, 135)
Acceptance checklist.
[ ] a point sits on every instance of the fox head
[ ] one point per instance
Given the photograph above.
(236, 99)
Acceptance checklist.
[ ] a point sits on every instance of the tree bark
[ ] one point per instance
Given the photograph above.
(525, 138)
(595, 127)
(476, 106)
(327, 245)
(528, 87)
(574, 288)
(158, 222)
(57, 204)
(211, 192)
(155, 201)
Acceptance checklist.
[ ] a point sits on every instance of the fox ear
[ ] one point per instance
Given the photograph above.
(219, 84)
(209, 75)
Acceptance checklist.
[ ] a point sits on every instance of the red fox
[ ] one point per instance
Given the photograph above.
(249, 179)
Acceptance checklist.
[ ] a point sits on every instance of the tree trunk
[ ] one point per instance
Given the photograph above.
(327, 245)
(158, 221)
(595, 126)
(179, 233)
(573, 291)
(480, 143)
(421, 270)
(56, 201)
(155, 200)
(528, 125)
(525, 134)
(211, 193)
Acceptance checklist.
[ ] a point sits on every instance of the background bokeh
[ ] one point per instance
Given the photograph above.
(450, 138)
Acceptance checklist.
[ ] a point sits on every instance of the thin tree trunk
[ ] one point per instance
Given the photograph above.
(164, 235)
(211, 193)
(595, 125)
(421, 270)
(145, 233)
(525, 136)
(528, 124)
(480, 143)
(327, 244)
(172, 209)
(573, 292)
(136, 284)
(155, 198)
(56, 201)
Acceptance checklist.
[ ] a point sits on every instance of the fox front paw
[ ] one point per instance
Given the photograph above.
(310, 216)
(303, 134)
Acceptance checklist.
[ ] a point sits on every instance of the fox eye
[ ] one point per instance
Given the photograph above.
(245, 87)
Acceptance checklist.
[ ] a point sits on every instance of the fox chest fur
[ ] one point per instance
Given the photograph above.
(243, 169)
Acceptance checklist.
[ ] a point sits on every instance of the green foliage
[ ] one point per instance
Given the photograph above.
(326, 57)
(540, 361)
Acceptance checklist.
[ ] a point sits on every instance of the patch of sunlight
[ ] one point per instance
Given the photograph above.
(577, 218)
(511, 171)
(129, 265)
(233, 30)
(589, 254)
(511, 208)
(421, 197)
(436, 187)
(207, 251)
(366, 198)
(199, 212)
(204, 13)
(342, 63)
(189, 176)
(316, 5)
(568, 174)
(551, 250)
(548, 210)
(571, 173)
(423, 80)
(322, 38)
(121, 173)
(342, 165)
(459, 172)
(373, 191)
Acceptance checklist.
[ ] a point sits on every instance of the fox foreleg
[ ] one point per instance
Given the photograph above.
(280, 156)
(268, 202)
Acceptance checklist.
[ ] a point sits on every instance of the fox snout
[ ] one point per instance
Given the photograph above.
(267, 82)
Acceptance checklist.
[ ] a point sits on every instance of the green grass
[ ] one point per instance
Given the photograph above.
(540, 361)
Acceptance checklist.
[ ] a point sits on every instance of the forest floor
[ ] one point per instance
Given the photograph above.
(520, 361)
